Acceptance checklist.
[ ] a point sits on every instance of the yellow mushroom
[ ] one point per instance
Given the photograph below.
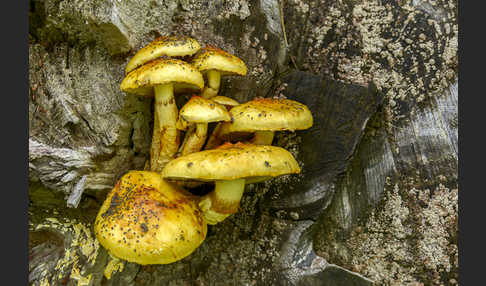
(172, 46)
(264, 116)
(163, 78)
(229, 166)
(151, 73)
(214, 62)
(197, 113)
(226, 101)
(214, 139)
(147, 220)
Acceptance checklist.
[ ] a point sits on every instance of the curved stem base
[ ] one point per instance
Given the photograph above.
(194, 139)
(214, 81)
(223, 201)
(214, 139)
(262, 138)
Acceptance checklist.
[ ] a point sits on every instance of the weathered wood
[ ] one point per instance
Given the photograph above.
(340, 112)
(414, 168)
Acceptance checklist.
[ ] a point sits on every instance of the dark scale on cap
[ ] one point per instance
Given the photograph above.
(114, 204)
(144, 227)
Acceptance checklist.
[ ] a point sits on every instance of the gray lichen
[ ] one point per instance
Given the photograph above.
(410, 240)
(407, 50)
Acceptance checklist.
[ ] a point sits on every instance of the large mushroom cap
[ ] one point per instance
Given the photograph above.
(163, 71)
(201, 110)
(146, 220)
(267, 114)
(232, 161)
(173, 46)
(211, 58)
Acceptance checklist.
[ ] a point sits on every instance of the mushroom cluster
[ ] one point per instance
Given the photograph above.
(148, 218)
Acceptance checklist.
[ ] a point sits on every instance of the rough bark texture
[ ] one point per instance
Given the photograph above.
(377, 199)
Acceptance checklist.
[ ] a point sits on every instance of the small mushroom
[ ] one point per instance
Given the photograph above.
(147, 220)
(162, 149)
(198, 112)
(228, 102)
(263, 116)
(214, 62)
(172, 46)
(163, 78)
(214, 139)
(229, 166)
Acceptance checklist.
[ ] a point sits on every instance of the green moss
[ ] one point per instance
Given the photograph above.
(41, 196)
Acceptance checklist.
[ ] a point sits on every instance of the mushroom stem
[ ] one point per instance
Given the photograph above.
(166, 113)
(155, 147)
(214, 139)
(223, 201)
(262, 138)
(194, 139)
(214, 81)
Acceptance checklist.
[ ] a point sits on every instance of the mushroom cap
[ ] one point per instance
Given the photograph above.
(147, 220)
(201, 110)
(163, 71)
(224, 100)
(211, 58)
(232, 161)
(268, 114)
(173, 46)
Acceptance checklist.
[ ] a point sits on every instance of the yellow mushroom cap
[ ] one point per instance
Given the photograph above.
(147, 220)
(173, 46)
(224, 100)
(232, 161)
(211, 58)
(201, 110)
(268, 114)
(163, 71)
